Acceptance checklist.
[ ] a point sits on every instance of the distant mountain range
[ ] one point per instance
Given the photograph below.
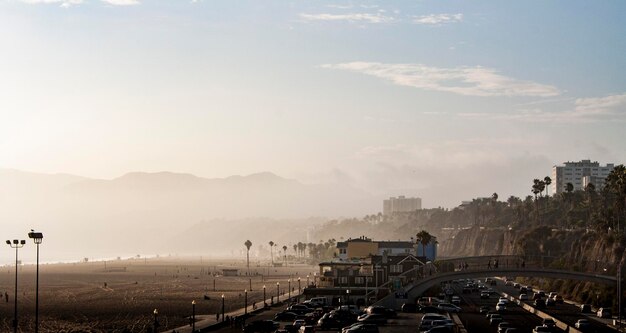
(141, 212)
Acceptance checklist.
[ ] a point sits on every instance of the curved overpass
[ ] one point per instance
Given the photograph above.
(428, 282)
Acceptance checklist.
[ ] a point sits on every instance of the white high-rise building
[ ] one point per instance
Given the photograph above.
(401, 204)
(580, 174)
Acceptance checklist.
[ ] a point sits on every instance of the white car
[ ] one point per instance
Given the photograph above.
(523, 297)
(503, 300)
(582, 324)
(448, 307)
(500, 307)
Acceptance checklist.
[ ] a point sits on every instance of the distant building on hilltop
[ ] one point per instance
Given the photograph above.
(363, 247)
(580, 174)
(401, 204)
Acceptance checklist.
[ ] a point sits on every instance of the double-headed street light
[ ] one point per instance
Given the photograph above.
(222, 308)
(38, 238)
(156, 320)
(16, 244)
(193, 316)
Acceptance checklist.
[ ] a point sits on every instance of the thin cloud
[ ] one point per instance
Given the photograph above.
(63, 3)
(608, 108)
(438, 19)
(468, 81)
(350, 17)
(122, 2)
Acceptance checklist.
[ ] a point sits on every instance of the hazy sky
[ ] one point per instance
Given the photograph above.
(426, 96)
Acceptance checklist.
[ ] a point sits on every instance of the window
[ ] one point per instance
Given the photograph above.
(343, 280)
(359, 280)
(395, 269)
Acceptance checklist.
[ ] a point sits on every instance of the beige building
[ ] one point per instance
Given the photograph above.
(580, 174)
(401, 204)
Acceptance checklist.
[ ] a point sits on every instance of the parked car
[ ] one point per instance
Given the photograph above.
(307, 329)
(550, 302)
(365, 328)
(285, 316)
(448, 307)
(604, 313)
(261, 326)
(549, 322)
(440, 329)
(409, 307)
(503, 300)
(585, 308)
(558, 299)
(456, 300)
(484, 294)
(381, 310)
(495, 319)
(512, 330)
(501, 307)
(523, 297)
(539, 303)
(582, 324)
(503, 326)
(372, 318)
(427, 320)
(484, 309)
(542, 329)
(429, 309)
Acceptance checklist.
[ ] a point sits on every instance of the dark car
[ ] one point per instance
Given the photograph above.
(429, 309)
(409, 307)
(366, 328)
(372, 318)
(484, 309)
(285, 316)
(585, 308)
(261, 326)
(539, 303)
(381, 310)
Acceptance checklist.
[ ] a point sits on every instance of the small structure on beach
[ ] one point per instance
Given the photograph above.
(230, 272)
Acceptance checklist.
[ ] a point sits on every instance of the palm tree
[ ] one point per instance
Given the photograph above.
(295, 249)
(424, 238)
(271, 251)
(285, 254)
(547, 180)
(248, 245)
(494, 196)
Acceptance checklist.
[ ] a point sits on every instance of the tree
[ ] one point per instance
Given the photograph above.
(285, 253)
(271, 251)
(569, 187)
(547, 181)
(424, 238)
(248, 244)
(295, 249)
(494, 197)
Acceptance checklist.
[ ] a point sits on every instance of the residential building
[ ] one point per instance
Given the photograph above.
(363, 247)
(579, 174)
(401, 204)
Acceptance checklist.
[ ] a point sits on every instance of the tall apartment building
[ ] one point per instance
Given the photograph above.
(401, 204)
(580, 174)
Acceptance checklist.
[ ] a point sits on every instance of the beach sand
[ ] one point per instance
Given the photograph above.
(87, 297)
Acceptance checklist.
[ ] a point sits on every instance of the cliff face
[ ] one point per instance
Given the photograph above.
(584, 250)
(477, 242)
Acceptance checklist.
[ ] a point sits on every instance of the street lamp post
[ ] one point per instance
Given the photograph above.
(193, 316)
(245, 302)
(156, 321)
(277, 292)
(264, 298)
(289, 290)
(16, 244)
(37, 238)
(347, 296)
(299, 289)
(222, 308)
(307, 280)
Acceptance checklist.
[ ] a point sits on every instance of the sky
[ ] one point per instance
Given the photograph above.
(394, 97)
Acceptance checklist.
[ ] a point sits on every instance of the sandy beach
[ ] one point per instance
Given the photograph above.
(121, 295)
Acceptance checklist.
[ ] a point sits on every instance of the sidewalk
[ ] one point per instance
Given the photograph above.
(206, 323)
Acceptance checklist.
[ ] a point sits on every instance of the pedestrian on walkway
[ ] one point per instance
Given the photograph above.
(489, 264)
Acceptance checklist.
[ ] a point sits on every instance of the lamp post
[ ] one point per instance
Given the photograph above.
(222, 308)
(16, 244)
(264, 298)
(193, 316)
(299, 289)
(156, 321)
(289, 290)
(245, 302)
(307, 280)
(347, 296)
(277, 292)
(37, 238)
